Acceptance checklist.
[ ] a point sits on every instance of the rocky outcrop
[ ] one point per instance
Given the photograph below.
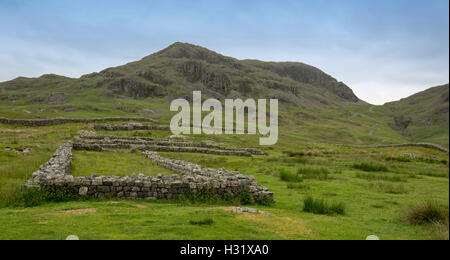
(56, 99)
(402, 122)
(155, 77)
(196, 72)
(280, 86)
(135, 89)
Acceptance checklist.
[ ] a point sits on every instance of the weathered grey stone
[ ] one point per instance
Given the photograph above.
(83, 191)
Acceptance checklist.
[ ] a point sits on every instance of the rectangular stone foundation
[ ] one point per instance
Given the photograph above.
(192, 178)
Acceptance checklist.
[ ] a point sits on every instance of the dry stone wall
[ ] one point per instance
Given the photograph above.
(426, 145)
(191, 178)
(100, 143)
(129, 127)
(57, 121)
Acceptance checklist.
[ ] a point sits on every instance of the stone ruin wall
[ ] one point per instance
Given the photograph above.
(100, 143)
(425, 145)
(130, 127)
(57, 121)
(191, 178)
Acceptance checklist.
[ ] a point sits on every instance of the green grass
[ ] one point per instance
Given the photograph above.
(321, 207)
(32, 197)
(367, 210)
(382, 177)
(202, 222)
(116, 163)
(388, 187)
(287, 176)
(370, 167)
(298, 186)
(314, 173)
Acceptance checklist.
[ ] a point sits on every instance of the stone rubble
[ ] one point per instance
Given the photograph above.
(239, 210)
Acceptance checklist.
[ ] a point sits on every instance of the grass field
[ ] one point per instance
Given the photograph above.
(375, 201)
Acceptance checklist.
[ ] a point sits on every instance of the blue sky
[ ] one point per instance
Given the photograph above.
(383, 49)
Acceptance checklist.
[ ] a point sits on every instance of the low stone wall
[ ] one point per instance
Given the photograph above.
(426, 145)
(219, 179)
(56, 173)
(130, 127)
(59, 165)
(159, 148)
(116, 142)
(57, 121)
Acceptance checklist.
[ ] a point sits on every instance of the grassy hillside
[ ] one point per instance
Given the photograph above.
(314, 106)
(423, 116)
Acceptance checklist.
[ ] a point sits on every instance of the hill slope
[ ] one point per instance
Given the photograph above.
(315, 107)
(423, 116)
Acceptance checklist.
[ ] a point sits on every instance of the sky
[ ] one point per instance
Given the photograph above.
(384, 50)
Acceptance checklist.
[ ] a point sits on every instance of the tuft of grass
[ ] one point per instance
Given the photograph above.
(398, 159)
(417, 159)
(313, 173)
(294, 154)
(430, 160)
(207, 196)
(440, 231)
(246, 196)
(378, 206)
(370, 167)
(290, 160)
(32, 197)
(389, 188)
(321, 207)
(436, 174)
(428, 212)
(287, 176)
(300, 160)
(381, 177)
(202, 222)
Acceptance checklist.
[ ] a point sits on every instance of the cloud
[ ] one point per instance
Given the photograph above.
(383, 50)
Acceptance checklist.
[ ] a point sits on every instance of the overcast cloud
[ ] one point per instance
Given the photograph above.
(384, 50)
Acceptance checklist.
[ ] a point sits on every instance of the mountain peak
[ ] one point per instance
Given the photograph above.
(180, 50)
